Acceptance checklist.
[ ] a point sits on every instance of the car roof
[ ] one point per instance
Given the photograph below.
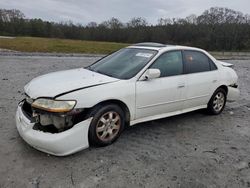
(160, 46)
(150, 44)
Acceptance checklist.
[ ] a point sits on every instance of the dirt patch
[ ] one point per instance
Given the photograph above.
(189, 150)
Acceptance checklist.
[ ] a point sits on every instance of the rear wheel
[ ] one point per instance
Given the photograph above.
(217, 102)
(107, 125)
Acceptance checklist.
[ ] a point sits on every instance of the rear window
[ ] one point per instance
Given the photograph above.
(212, 65)
(196, 62)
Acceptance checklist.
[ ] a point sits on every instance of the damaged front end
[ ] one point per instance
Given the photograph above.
(52, 119)
(58, 133)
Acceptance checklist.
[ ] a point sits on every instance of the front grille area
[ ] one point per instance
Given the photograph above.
(27, 110)
(48, 129)
(52, 122)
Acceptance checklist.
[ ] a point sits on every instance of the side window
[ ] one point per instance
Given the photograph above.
(212, 65)
(196, 62)
(169, 64)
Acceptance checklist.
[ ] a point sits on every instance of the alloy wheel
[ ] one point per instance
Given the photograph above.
(108, 126)
(218, 101)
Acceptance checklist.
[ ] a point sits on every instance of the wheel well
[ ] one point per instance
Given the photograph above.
(121, 104)
(223, 87)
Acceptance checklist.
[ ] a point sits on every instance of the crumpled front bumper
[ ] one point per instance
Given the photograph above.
(59, 144)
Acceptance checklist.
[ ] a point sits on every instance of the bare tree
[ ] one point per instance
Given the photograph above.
(92, 24)
(164, 21)
(10, 15)
(217, 15)
(137, 22)
(192, 19)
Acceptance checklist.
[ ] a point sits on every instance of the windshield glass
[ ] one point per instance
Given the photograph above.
(123, 64)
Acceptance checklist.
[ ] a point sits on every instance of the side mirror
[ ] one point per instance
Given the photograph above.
(151, 74)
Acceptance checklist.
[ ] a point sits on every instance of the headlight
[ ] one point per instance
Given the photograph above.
(51, 105)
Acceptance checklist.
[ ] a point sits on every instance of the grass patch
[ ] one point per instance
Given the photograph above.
(35, 44)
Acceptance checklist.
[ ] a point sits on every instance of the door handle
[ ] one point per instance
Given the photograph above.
(214, 81)
(181, 85)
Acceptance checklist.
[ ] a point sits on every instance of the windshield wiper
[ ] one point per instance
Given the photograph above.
(98, 71)
(107, 74)
(89, 68)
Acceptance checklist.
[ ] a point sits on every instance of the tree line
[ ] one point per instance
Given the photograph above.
(215, 29)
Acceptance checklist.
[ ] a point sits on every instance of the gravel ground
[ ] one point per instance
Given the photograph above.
(189, 150)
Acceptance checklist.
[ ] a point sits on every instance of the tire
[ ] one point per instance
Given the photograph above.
(217, 102)
(107, 124)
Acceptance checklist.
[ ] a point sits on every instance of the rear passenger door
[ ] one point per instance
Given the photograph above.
(202, 78)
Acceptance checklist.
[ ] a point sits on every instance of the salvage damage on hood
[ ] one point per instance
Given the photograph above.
(52, 86)
(56, 83)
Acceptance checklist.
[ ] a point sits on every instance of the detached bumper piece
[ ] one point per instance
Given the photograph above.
(60, 144)
(233, 93)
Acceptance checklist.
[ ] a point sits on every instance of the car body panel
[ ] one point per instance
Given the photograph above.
(56, 83)
(59, 144)
(233, 94)
(200, 87)
(123, 90)
(161, 99)
(164, 115)
(225, 64)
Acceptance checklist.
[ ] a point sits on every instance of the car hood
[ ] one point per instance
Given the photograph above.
(58, 83)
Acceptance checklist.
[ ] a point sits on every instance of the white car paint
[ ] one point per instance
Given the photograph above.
(53, 84)
(164, 101)
(65, 143)
(145, 100)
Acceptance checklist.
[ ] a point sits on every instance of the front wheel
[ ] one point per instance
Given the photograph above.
(217, 102)
(107, 124)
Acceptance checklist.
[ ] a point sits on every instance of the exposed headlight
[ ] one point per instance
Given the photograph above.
(51, 105)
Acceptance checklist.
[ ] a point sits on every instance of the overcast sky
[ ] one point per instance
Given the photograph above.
(84, 11)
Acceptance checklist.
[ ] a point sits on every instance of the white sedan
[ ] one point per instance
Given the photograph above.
(67, 111)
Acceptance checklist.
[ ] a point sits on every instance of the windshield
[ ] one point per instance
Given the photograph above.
(123, 64)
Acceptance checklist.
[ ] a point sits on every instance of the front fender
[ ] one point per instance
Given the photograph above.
(123, 91)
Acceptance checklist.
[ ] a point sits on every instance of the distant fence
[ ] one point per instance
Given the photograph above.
(231, 55)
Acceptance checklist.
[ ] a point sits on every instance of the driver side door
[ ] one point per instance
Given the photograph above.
(164, 94)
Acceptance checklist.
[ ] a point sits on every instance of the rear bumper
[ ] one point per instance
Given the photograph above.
(59, 144)
(233, 93)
